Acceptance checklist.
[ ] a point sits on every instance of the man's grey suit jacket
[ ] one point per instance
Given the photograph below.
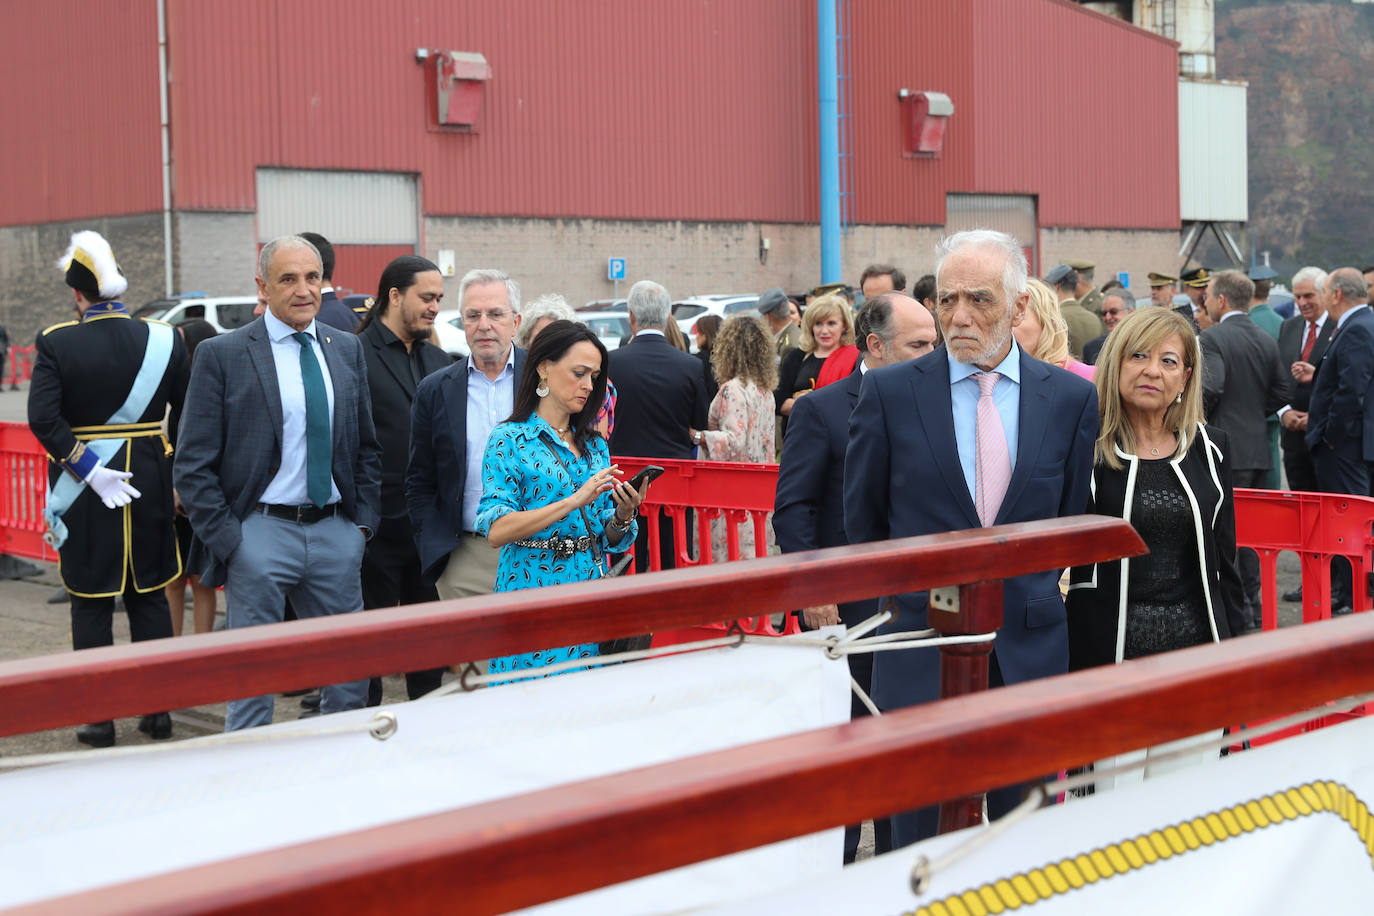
(1243, 382)
(230, 442)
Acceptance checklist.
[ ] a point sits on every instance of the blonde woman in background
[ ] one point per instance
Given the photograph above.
(1043, 333)
(827, 352)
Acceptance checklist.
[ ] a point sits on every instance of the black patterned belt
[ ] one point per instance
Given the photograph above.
(561, 547)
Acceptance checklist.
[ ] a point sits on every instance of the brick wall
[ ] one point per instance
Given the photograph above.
(32, 292)
(569, 256)
(1135, 251)
(215, 253)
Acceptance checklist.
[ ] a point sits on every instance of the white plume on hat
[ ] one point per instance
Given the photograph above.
(90, 249)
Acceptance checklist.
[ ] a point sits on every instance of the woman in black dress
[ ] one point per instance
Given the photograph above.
(1162, 469)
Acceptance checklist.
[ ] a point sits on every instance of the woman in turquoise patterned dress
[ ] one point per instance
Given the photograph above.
(550, 497)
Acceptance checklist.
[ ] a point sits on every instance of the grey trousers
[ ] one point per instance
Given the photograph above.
(317, 566)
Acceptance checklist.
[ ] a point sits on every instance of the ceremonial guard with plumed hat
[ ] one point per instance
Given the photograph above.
(100, 390)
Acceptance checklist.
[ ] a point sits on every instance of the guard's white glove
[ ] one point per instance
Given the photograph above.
(112, 486)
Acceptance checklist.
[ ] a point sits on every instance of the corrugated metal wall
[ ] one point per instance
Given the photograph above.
(691, 110)
(80, 134)
(1078, 108)
(687, 110)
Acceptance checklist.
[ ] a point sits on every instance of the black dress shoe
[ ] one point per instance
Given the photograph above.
(297, 693)
(311, 701)
(309, 713)
(97, 734)
(1293, 597)
(157, 726)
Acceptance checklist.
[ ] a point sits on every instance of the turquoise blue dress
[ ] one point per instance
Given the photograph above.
(519, 472)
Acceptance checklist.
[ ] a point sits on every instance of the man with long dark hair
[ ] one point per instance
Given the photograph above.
(395, 337)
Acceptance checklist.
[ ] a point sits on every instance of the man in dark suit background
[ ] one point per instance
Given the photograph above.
(661, 400)
(1243, 383)
(1116, 304)
(278, 464)
(332, 310)
(1340, 423)
(1302, 339)
(809, 509)
(395, 338)
(454, 412)
(1302, 344)
(914, 467)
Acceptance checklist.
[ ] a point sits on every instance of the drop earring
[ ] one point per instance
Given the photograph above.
(1179, 399)
(543, 389)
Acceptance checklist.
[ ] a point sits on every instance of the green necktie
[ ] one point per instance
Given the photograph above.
(317, 447)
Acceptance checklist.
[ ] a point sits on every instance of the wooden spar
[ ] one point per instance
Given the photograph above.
(107, 683)
(516, 852)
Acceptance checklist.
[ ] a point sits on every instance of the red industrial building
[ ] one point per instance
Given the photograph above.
(676, 135)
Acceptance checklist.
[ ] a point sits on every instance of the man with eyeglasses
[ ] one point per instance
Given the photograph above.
(1116, 305)
(453, 414)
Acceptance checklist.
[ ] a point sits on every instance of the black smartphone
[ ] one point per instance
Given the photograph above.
(650, 473)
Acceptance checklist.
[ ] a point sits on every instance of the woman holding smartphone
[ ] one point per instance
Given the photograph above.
(550, 498)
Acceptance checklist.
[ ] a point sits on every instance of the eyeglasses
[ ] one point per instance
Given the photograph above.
(496, 316)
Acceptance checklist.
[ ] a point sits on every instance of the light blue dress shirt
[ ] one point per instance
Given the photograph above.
(1006, 395)
(288, 487)
(489, 403)
(1340, 322)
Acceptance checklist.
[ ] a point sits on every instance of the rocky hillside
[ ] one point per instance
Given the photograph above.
(1310, 67)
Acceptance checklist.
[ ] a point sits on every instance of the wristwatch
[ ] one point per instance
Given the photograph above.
(697, 436)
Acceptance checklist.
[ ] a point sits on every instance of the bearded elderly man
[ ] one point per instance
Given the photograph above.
(977, 433)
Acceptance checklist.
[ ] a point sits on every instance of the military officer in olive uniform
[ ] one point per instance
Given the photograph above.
(1088, 293)
(1163, 288)
(100, 389)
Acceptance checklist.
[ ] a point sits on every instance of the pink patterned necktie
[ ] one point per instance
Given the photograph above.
(993, 472)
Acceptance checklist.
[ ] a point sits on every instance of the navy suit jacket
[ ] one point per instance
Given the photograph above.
(334, 313)
(660, 394)
(809, 506)
(229, 444)
(903, 478)
(1341, 415)
(808, 510)
(438, 466)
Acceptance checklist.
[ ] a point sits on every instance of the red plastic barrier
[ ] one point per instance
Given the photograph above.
(1317, 526)
(735, 492)
(24, 464)
(19, 366)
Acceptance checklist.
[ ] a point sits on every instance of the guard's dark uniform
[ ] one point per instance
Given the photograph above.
(82, 374)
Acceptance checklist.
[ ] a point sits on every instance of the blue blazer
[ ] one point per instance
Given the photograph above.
(808, 509)
(903, 478)
(1341, 415)
(438, 466)
(229, 443)
(809, 505)
(335, 314)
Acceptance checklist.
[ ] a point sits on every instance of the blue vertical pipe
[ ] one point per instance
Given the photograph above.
(830, 141)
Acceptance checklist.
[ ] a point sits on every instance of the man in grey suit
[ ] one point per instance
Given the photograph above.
(278, 464)
(1243, 383)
